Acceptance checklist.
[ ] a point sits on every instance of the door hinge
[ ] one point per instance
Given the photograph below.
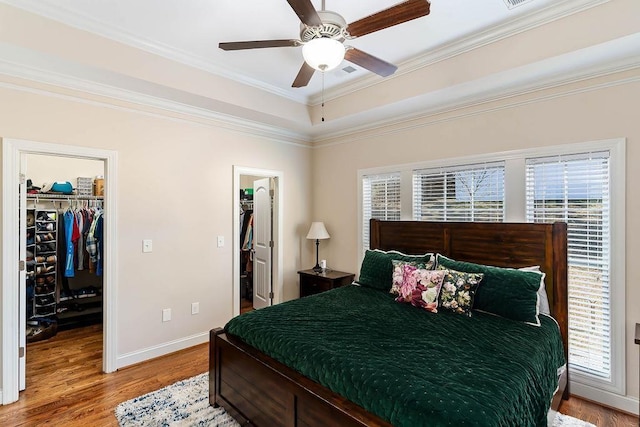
(272, 193)
(270, 243)
(21, 266)
(270, 295)
(23, 178)
(21, 352)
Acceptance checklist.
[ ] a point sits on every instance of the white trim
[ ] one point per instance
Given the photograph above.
(163, 349)
(189, 104)
(483, 37)
(10, 253)
(615, 56)
(111, 32)
(278, 230)
(624, 403)
(514, 160)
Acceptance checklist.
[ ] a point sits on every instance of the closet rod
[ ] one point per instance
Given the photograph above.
(54, 197)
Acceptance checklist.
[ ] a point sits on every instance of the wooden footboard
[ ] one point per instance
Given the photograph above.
(258, 390)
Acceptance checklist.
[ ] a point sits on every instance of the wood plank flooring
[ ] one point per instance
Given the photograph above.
(65, 385)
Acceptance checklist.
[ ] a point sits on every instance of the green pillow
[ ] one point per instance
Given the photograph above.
(506, 292)
(377, 270)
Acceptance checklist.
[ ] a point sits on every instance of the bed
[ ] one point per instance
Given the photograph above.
(261, 383)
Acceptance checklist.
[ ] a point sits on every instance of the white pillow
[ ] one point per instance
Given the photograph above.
(543, 299)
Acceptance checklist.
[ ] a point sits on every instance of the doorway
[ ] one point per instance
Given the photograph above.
(13, 200)
(244, 178)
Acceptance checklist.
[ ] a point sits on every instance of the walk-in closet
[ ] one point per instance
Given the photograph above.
(246, 242)
(62, 231)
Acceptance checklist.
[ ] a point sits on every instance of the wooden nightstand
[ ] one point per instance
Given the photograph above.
(314, 283)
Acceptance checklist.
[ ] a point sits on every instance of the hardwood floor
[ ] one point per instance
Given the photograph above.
(65, 385)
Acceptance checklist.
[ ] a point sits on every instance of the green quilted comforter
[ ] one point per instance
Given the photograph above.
(411, 367)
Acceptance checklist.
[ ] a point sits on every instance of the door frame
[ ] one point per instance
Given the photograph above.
(277, 261)
(11, 151)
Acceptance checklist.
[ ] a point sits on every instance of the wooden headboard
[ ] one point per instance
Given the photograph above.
(490, 243)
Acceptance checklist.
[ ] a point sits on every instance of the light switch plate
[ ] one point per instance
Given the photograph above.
(220, 241)
(147, 245)
(166, 314)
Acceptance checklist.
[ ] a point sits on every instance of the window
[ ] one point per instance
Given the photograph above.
(466, 193)
(380, 200)
(582, 184)
(575, 189)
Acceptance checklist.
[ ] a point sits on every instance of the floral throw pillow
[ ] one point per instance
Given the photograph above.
(415, 284)
(458, 290)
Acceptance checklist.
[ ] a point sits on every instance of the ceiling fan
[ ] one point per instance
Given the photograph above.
(323, 33)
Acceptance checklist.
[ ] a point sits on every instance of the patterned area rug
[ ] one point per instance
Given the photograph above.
(186, 404)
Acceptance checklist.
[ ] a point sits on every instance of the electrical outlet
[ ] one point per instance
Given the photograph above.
(195, 307)
(166, 314)
(147, 245)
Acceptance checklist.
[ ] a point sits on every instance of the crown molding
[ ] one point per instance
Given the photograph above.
(472, 41)
(136, 100)
(616, 56)
(84, 22)
(94, 26)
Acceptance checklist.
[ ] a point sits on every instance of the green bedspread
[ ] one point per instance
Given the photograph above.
(411, 367)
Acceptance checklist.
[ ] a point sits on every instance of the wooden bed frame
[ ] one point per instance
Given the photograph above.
(258, 390)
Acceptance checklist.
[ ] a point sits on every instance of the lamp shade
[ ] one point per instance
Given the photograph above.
(323, 54)
(317, 231)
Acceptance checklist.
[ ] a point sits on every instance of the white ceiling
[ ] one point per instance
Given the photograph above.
(192, 29)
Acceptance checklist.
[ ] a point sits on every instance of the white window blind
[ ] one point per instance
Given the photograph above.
(380, 200)
(576, 189)
(461, 193)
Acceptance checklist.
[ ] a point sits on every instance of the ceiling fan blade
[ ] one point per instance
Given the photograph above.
(306, 12)
(304, 75)
(370, 62)
(402, 12)
(258, 44)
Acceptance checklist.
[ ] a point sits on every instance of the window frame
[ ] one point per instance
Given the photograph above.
(515, 211)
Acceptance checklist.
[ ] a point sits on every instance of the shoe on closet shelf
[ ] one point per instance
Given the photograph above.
(42, 300)
(44, 289)
(46, 226)
(46, 216)
(51, 258)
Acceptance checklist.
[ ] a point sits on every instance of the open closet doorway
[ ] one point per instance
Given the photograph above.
(63, 225)
(50, 290)
(257, 229)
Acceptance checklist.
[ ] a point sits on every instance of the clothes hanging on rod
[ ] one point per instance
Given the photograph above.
(83, 240)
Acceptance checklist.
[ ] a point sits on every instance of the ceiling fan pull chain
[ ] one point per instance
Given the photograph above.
(323, 96)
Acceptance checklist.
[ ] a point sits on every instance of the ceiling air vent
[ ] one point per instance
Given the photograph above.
(348, 69)
(515, 3)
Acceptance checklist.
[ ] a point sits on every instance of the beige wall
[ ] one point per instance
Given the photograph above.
(43, 169)
(580, 112)
(175, 183)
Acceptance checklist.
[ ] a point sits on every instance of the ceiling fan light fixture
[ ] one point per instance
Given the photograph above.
(323, 53)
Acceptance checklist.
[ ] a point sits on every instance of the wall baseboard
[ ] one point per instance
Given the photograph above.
(161, 349)
(623, 403)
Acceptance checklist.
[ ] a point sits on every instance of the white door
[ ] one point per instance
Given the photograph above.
(262, 243)
(22, 286)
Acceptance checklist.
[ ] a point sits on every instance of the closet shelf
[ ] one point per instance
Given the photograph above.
(46, 197)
